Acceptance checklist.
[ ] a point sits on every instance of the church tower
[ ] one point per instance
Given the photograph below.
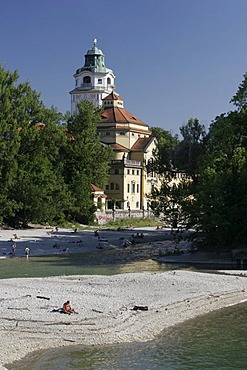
(93, 82)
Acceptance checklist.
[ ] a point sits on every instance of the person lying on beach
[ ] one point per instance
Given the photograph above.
(68, 309)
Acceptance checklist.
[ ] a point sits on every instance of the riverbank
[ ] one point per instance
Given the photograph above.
(109, 246)
(105, 304)
(106, 246)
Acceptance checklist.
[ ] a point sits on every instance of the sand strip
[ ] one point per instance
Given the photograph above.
(105, 305)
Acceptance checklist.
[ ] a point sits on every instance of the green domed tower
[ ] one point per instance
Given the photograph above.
(93, 82)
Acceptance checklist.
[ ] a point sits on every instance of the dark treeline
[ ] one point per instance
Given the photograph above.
(47, 161)
(212, 195)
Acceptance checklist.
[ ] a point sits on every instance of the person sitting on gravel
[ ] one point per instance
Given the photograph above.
(68, 309)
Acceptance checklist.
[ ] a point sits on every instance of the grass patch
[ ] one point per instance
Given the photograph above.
(132, 222)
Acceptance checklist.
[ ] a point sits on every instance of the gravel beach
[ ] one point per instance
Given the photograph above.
(29, 319)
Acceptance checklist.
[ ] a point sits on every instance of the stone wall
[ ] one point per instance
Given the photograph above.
(113, 215)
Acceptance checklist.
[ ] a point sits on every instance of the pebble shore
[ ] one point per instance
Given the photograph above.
(105, 305)
(29, 320)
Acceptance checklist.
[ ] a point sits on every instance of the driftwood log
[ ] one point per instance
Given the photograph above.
(41, 297)
(142, 308)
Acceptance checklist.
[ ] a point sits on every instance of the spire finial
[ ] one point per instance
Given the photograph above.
(95, 42)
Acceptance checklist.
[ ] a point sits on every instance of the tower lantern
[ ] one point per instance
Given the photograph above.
(93, 81)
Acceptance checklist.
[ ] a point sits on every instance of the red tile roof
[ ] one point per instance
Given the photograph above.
(95, 188)
(142, 143)
(40, 126)
(120, 115)
(112, 96)
(118, 146)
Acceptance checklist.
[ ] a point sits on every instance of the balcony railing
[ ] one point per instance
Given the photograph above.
(132, 163)
(86, 86)
(126, 162)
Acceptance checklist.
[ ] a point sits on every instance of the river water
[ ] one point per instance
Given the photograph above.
(214, 341)
(73, 264)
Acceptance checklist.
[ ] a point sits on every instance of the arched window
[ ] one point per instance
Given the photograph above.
(133, 187)
(108, 81)
(87, 80)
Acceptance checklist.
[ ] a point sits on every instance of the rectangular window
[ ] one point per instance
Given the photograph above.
(128, 188)
(133, 172)
(116, 186)
(112, 186)
(133, 187)
(137, 188)
(137, 172)
(150, 167)
(107, 187)
(100, 81)
(128, 172)
(116, 172)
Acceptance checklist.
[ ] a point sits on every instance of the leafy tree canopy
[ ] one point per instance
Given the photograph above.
(240, 98)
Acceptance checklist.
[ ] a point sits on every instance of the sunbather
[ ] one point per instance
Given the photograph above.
(68, 309)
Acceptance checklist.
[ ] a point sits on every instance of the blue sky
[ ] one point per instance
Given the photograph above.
(173, 59)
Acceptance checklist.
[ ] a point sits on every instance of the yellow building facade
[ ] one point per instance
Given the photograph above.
(129, 137)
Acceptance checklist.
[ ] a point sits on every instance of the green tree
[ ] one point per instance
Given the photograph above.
(163, 137)
(176, 162)
(40, 190)
(163, 163)
(240, 98)
(9, 140)
(190, 148)
(167, 202)
(32, 187)
(87, 160)
(220, 201)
